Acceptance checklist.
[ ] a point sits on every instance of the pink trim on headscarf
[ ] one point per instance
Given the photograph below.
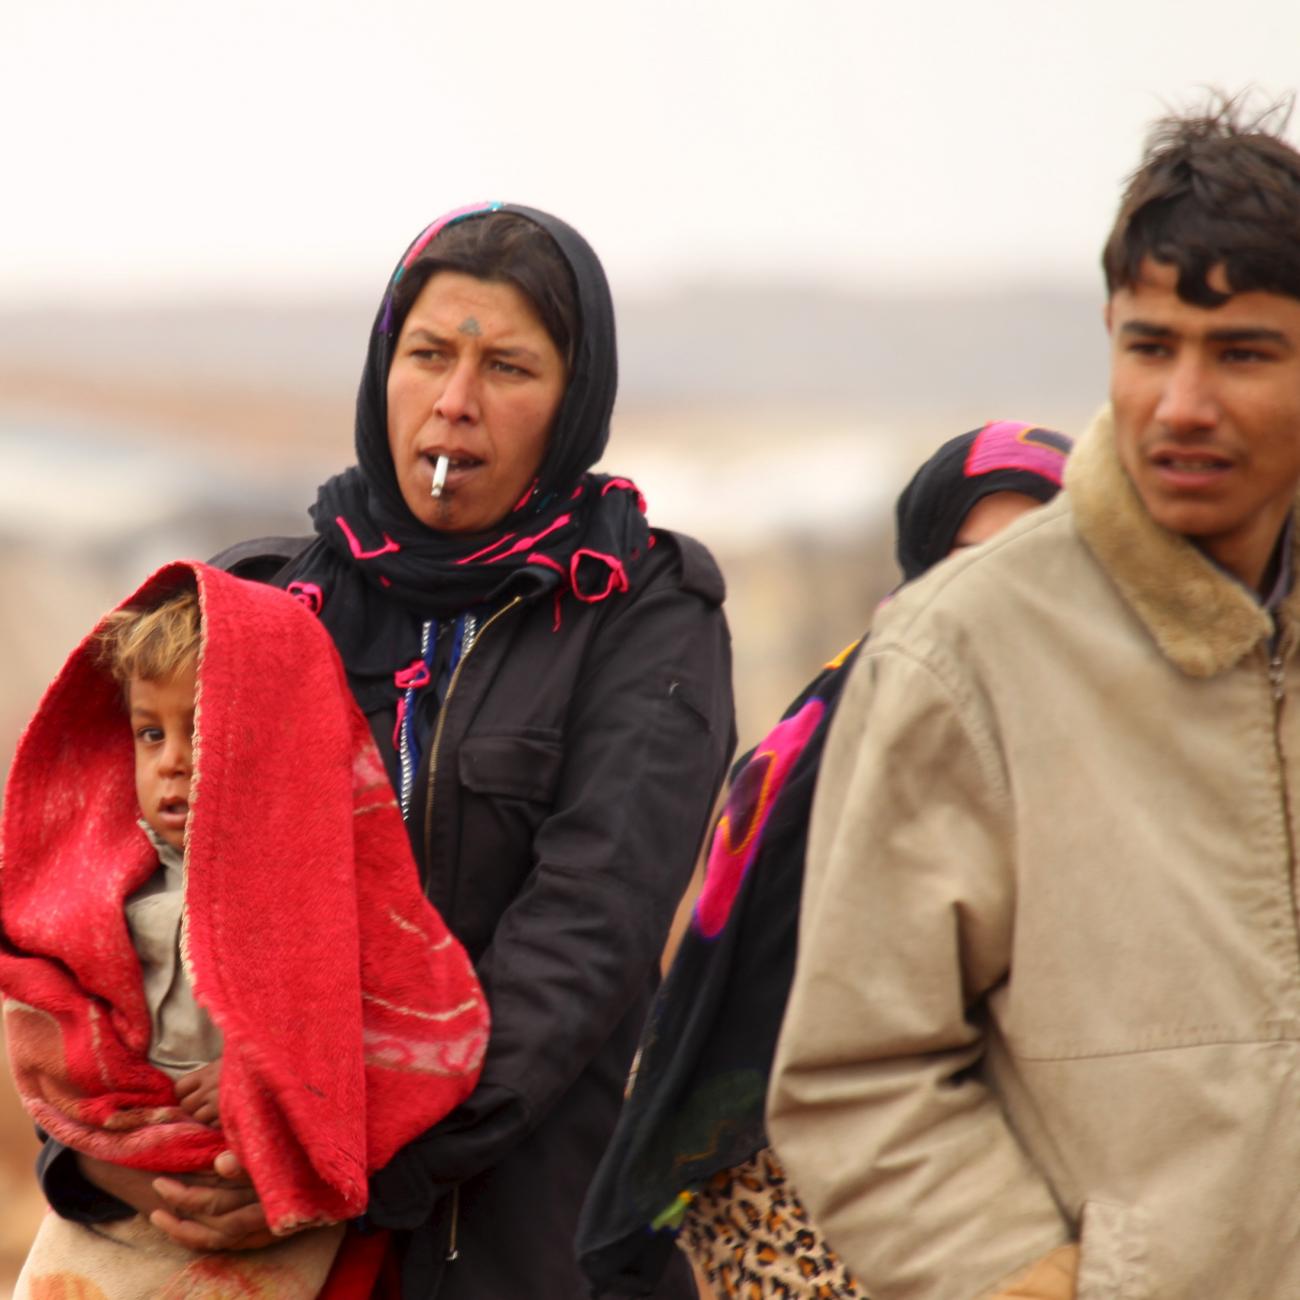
(1010, 444)
(616, 575)
(389, 547)
(548, 563)
(538, 558)
(307, 593)
(440, 223)
(523, 500)
(521, 545)
(625, 485)
(491, 546)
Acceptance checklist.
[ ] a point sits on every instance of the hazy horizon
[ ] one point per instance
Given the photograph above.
(165, 150)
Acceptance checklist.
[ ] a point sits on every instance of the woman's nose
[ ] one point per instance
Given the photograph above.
(458, 400)
(1187, 402)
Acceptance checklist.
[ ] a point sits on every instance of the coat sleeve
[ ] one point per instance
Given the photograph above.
(648, 735)
(878, 1106)
(68, 1192)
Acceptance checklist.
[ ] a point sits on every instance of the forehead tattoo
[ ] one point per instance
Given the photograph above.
(470, 326)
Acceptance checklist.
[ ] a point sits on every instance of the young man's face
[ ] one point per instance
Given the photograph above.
(162, 723)
(1207, 412)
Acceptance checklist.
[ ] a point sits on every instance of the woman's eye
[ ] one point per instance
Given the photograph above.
(506, 368)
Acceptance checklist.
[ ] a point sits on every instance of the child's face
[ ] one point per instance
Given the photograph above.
(162, 723)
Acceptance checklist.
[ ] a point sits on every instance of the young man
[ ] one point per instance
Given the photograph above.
(1044, 1038)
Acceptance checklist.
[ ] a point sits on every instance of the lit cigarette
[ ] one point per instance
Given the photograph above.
(439, 476)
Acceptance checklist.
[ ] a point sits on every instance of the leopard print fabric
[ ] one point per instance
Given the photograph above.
(750, 1236)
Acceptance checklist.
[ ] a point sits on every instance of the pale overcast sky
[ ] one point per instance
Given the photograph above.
(164, 148)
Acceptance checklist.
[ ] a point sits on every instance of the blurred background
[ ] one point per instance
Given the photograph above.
(838, 233)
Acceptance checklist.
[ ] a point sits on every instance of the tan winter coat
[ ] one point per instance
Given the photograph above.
(1049, 968)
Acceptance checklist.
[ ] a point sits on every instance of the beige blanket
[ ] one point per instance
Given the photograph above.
(130, 1259)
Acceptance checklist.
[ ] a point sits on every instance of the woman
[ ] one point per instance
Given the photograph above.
(549, 682)
(690, 1162)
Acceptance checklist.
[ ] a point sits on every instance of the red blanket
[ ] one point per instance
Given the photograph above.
(352, 1019)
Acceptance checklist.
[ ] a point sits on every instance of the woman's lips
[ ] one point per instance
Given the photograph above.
(459, 471)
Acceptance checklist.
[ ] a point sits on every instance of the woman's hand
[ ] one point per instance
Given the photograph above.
(218, 1214)
(133, 1186)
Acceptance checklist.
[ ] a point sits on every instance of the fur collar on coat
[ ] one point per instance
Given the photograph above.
(1203, 620)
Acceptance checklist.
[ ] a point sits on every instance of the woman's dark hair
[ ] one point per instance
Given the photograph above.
(1216, 188)
(504, 248)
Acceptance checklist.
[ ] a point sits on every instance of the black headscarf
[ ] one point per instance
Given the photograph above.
(1003, 456)
(695, 1107)
(375, 572)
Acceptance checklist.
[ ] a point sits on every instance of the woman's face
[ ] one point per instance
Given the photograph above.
(990, 515)
(476, 377)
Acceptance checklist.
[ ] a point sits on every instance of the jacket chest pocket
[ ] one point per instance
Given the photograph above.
(522, 767)
(508, 786)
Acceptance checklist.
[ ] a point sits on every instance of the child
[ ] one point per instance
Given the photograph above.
(153, 655)
(214, 938)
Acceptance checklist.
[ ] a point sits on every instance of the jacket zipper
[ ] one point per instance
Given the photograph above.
(403, 749)
(1277, 688)
(453, 1250)
(437, 734)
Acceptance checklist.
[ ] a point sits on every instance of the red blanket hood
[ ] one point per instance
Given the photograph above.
(352, 1018)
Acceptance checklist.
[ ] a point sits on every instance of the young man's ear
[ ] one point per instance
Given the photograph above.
(1105, 315)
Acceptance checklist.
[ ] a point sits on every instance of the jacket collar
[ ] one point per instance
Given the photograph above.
(1202, 620)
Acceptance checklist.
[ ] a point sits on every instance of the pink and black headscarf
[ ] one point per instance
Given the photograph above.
(1002, 456)
(375, 571)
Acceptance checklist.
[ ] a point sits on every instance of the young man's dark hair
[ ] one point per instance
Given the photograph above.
(1217, 188)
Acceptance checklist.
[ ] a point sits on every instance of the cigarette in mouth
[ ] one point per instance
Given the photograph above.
(439, 476)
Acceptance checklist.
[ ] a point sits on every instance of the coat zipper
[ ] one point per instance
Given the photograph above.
(437, 734)
(453, 1249)
(1277, 688)
(1277, 685)
(403, 749)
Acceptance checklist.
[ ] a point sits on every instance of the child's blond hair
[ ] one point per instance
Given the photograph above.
(154, 643)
